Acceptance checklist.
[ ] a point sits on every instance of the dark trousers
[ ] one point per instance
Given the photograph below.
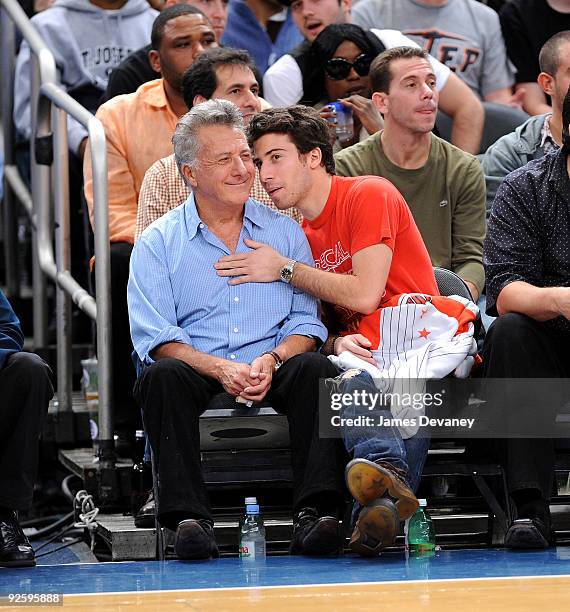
(172, 396)
(25, 392)
(127, 416)
(517, 346)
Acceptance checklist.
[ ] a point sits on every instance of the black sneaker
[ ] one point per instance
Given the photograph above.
(369, 480)
(195, 540)
(314, 535)
(532, 527)
(528, 533)
(376, 527)
(15, 549)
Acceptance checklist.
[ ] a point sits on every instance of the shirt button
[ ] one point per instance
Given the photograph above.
(236, 329)
(201, 226)
(236, 299)
(232, 356)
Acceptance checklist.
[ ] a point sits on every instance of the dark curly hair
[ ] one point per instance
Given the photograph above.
(302, 124)
(201, 79)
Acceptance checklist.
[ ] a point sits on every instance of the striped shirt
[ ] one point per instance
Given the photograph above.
(175, 295)
(163, 189)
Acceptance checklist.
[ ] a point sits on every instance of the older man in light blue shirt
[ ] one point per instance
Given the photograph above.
(198, 336)
(173, 261)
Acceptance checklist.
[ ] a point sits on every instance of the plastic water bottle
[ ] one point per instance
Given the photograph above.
(420, 531)
(252, 533)
(344, 124)
(90, 384)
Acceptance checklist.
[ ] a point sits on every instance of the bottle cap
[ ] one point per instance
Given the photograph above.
(250, 500)
(252, 509)
(423, 502)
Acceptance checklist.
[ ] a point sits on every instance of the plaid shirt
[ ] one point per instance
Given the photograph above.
(163, 189)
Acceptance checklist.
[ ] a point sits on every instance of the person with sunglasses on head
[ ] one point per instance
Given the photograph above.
(285, 81)
(341, 55)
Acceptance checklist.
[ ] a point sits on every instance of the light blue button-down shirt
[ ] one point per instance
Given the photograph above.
(175, 295)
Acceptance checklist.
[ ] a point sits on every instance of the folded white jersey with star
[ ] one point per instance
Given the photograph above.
(416, 336)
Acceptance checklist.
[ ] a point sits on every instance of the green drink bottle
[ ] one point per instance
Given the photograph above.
(421, 531)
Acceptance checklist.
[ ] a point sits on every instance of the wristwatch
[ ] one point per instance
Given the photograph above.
(286, 272)
(278, 360)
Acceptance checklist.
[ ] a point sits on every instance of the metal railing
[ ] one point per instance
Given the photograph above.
(50, 106)
(43, 69)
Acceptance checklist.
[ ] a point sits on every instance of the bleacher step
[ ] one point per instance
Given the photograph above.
(126, 542)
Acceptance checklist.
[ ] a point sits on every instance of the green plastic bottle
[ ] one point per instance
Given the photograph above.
(421, 532)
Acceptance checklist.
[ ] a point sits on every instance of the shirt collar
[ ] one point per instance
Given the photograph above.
(154, 95)
(546, 134)
(558, 174)
(253, 215)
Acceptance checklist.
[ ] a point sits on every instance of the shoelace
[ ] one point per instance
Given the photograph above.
(398, 473)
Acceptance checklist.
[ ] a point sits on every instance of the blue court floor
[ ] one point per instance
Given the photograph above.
(282, 571)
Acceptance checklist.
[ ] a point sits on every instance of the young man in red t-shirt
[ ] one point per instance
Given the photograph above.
(367, 249)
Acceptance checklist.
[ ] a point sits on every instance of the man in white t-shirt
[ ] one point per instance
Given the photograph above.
(283, 82)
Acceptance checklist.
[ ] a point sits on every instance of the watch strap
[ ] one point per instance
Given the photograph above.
(278, 360)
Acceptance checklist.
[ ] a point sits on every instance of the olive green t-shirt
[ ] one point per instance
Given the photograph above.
(446, 197)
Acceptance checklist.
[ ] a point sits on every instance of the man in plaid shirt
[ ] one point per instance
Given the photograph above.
(217, 74)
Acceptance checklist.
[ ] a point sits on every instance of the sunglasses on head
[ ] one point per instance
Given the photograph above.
(338, 68)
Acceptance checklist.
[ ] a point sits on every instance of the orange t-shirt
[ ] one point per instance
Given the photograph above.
(360, 212)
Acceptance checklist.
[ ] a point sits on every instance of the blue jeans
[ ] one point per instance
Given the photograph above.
(378, 442)
(486, 319)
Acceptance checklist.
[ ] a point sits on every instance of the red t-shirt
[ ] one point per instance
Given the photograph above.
(360, 212)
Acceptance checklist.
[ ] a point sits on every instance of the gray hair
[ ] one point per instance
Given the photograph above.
(212, 112)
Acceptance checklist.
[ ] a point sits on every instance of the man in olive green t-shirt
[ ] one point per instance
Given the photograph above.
(443, 186)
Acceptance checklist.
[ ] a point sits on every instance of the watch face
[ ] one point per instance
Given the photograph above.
(286, 274)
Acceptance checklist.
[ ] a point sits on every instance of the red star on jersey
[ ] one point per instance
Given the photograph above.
(424, 333)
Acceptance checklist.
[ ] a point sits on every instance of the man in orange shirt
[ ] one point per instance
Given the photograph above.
(138, 129)
(367, 248)
(139, 126)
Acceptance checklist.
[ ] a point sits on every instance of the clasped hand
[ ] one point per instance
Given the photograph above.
(252, 382)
